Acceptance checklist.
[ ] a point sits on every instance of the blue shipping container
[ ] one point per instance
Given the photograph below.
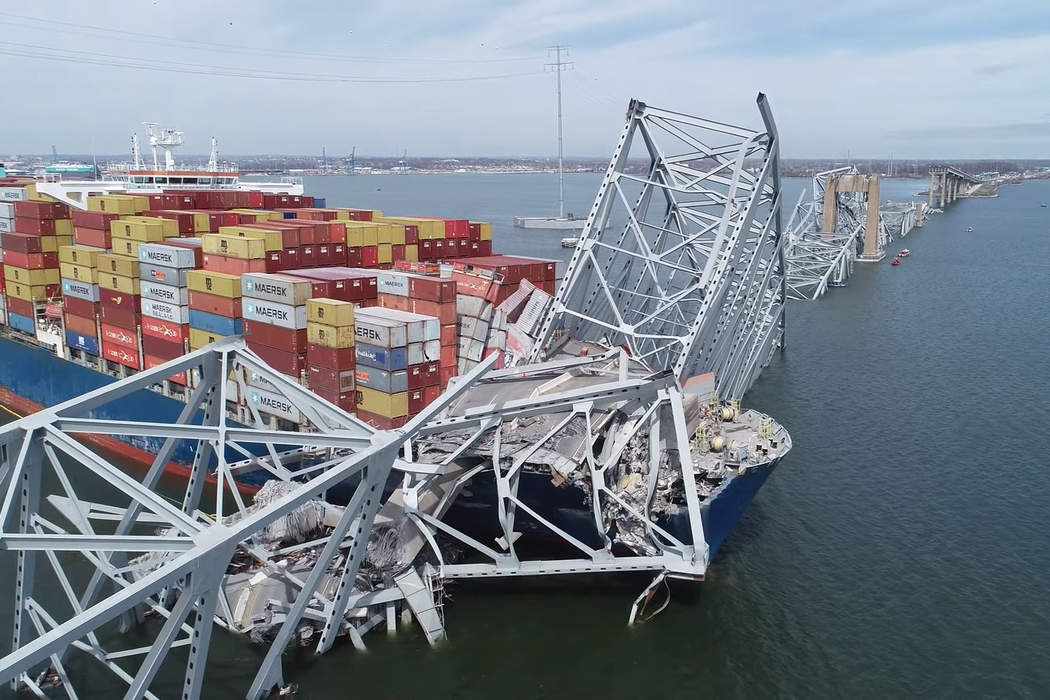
(381, 358)
(82, 342)
(219, 325)
(289, 214)
(319, 202)
(22, 323)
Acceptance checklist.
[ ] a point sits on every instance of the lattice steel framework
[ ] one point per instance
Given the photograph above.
(172, 560)
(682, 261)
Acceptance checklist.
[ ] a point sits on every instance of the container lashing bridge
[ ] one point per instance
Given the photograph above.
(679, 271)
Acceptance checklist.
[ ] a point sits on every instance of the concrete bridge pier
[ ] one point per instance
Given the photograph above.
(947, 185)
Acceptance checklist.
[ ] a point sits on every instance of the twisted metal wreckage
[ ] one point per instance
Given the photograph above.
(680, 270)
(821, 256)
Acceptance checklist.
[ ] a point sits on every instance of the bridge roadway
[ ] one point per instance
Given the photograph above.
(948, 183)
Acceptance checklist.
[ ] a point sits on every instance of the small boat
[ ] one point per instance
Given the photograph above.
(896, 262)
(1043, 204)
(568, 242)
(904, 253)
(969, 229)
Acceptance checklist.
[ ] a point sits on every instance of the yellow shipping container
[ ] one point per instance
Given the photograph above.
(386, 405)
(386, 253)
(485, 230)
(71, 271)
(63, 227)
(201, 223)
(127, 248)
(62, 240)
(118, 203)
(261, 214)
(138, 230)
(217, 283)
(331, 312)
(25, 292)
(361, 233)
(50, 244)
(117, 264)
(171, 226)
(118, 283)
(78, 255)
(429, 229)
(234, 246)
(199, 338)
(330, 336)
(412, 253)
(31, 277)
(274, 240)
(395, 233)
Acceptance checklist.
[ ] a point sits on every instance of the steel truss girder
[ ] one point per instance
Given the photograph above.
(682, 265)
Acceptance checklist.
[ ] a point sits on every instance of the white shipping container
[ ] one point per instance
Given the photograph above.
(7, 225)
(471, 349)
(80, 290)
(165, 311)
(13, 194)
(273, 403)
(256, 380)
(283, 315)
(389, 282)
(382, 380)
(420, 326)
(470, 306)
(3, 303)
(3, 318)
(7, 210)
(281, 289)
(383, 332)
(162, 273)
(167, 256)
(164, 292)
(470, 327)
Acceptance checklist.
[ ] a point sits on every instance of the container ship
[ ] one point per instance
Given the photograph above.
(376, 313)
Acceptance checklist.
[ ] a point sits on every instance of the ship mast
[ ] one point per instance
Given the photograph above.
(558, 68)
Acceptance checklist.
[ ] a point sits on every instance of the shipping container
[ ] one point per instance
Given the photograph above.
(165, 311)
(278, 288)
(88, 344)
(333, 312)
(219, 325)
(116, 335)
(381, 404)
(78, 255)
(171, 332)
(121, 355)
(273, 336)
(77, 272)
(169, 256)
(78, 307)
(386, 381)
(338, 381)
(211, 282)
(379, 357)
(81, 325)
(282, 315)
(215, 304)
(330, 336)
(274, 404)
(160, 348)
(80, 290)
(282, 360)
(332, 358)
(164, 292)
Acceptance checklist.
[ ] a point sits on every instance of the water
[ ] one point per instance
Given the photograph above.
(899, 549)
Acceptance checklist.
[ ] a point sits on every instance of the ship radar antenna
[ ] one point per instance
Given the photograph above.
(167, 139)
(136, 154)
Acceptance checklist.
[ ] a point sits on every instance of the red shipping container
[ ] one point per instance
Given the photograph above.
(182, 200)
(120, 317)
(416, 401)
(474, 232)
(33, 209)
(431, 393)
(95, 238)
(286, 339)
(81, 325)
(20, 307)
(289, 233)
(80, 307)
(426, 250)
(152, 362)
(353, 256)
(417, 376)
(394, 301)
(336, 232)
(448, 356)
(447, 373)
(22, 243)
(236, 266)
(370, 256)
(183, 219)
(290, 259)
(397, 252)
(445, 312)
(36, 227)
(485, 247)
(118, 300)
(381, 422)
(164, 349)
(411, 235)
(449, 334)
(93, 219)
(333, 358)
(120, 336)
(290, 363)
(431, 289)
(31, 261)
(213, 304)
(275, 260)
(346, 400)
(156, 201)
(121, 355)
(333, 282)
(431, 373)
(335, 380)
(256, 199)
(166, 330)
(438, 248)
(307, 256)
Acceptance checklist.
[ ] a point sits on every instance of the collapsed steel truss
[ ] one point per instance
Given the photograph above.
(687, 279)
(682, 262)
(183, 578)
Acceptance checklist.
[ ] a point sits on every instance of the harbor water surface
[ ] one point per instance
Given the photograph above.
(900, 549)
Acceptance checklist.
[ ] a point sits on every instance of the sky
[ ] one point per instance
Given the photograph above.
(870, 79)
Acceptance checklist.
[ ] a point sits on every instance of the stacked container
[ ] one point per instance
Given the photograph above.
(79, 269)
(164, 285)
(331, 354)
(31, 272)
(119, 307)
(215, 306)
(274, 308)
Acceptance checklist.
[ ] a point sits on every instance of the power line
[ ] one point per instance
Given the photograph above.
(76, 28)
(109, 60)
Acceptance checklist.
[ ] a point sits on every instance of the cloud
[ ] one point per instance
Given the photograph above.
(1031, 130)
